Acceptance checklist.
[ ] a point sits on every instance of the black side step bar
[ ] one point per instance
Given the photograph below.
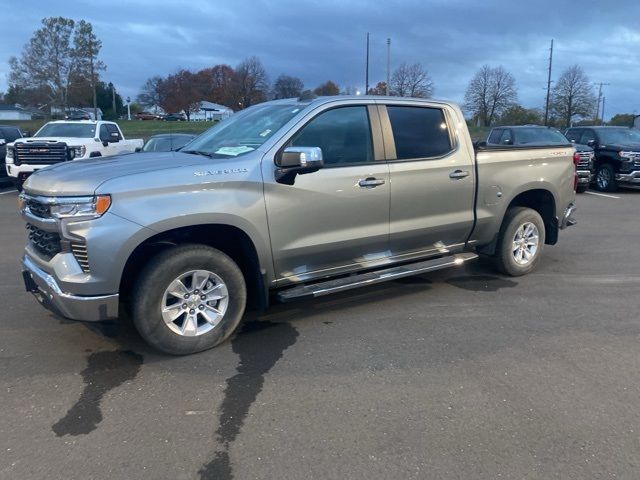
(370, 278)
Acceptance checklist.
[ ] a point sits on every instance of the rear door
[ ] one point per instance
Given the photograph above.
(432, 180)
(336, 219)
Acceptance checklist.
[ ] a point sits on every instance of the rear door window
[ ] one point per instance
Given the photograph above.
(419, 132)
(573, 135)
(494, 138)
(587, 136)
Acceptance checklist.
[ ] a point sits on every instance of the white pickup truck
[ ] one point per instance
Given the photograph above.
(61, 141)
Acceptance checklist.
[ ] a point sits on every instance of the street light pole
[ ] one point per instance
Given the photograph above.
(388, 65)
(128, 108)
(366, 76)
(113, 99)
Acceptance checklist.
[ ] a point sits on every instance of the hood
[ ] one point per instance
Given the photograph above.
(582, 148)
(67, 140)
(82, 177)
(616, 147)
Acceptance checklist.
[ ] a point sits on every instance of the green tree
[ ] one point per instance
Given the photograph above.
(622, 119)
(86, 48)
(57, 63)
(518, 115)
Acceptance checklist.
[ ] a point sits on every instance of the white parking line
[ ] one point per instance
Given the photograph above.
(8, 191)
(602, 195)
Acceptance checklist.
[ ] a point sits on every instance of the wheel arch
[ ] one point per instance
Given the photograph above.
(229, 239)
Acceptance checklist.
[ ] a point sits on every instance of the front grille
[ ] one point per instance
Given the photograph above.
(38, 209)
(79, 251)
(45, 243)
(585, 161)
(40, 153)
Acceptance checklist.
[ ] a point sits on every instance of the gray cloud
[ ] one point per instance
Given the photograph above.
(325, 40)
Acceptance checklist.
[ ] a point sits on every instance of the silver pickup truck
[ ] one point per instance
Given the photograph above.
(285, 200)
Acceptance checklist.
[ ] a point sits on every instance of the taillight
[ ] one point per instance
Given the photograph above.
(576, 159)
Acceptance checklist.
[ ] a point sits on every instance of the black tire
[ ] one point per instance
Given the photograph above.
(606, 178)
(504, 258)
(18, 184)
(582, 188)
(155, 279)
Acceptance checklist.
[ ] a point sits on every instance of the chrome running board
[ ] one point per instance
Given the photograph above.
(370, 278)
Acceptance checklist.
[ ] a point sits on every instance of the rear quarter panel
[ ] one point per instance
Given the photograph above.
(503, 174)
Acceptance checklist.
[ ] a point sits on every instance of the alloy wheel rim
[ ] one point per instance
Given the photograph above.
(525, 243)
(603, 178)
(194, 303)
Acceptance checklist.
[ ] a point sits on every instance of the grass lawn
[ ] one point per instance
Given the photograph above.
(131, 128)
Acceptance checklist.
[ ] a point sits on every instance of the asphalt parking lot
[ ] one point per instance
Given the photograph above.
(462, 374)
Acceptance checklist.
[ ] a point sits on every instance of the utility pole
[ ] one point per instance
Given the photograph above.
(546, 108)
(113, 99)
(388, 65)
(366, 77)
(600, 85)
(603, 99)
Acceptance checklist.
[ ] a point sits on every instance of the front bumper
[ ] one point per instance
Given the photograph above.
(567, 218)
(632, 178)
(74, 307)
(584, 177)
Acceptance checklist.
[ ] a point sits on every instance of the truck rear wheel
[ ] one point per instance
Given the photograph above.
(520, 241)
(188, 298)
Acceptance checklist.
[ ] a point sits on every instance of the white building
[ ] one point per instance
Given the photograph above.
(14, 112)
(211, 112)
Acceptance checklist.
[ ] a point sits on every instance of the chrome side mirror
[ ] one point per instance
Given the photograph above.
(297, 161)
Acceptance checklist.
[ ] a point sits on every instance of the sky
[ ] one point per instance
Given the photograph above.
(325, 40)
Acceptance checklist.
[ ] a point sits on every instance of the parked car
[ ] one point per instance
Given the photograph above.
(146, 116)
(61, 141)
(617, 154)
(167, 142)
(286, 200)
(8, 134)
(175, 117)
(78, 116)
(532, 135)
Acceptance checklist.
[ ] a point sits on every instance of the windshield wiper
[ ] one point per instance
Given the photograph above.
(198, 152)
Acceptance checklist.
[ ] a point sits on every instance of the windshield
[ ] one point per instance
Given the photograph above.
(166, 144)
(619, 135)
(243, 132)
(75, 130)
(544, 136)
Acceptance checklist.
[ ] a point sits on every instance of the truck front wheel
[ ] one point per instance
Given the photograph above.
(188, 298)
(606, 178)
(520, 241)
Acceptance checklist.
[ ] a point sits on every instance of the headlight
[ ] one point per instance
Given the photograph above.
(80, 208)
(77, 152)
(9, 152)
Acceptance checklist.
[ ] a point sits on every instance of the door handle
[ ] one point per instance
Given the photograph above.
(370, 182)
(457, 174)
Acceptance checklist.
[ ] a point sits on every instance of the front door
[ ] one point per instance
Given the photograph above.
(336, 219)
(432, 181)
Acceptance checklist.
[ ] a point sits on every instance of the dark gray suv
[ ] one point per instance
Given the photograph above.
(8, 134)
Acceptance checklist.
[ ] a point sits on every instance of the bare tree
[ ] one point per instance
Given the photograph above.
(573, 95)
(151, 93)
(490, 92)
(327, 89)
(411, 81)
(286, 86)
(250, 83)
